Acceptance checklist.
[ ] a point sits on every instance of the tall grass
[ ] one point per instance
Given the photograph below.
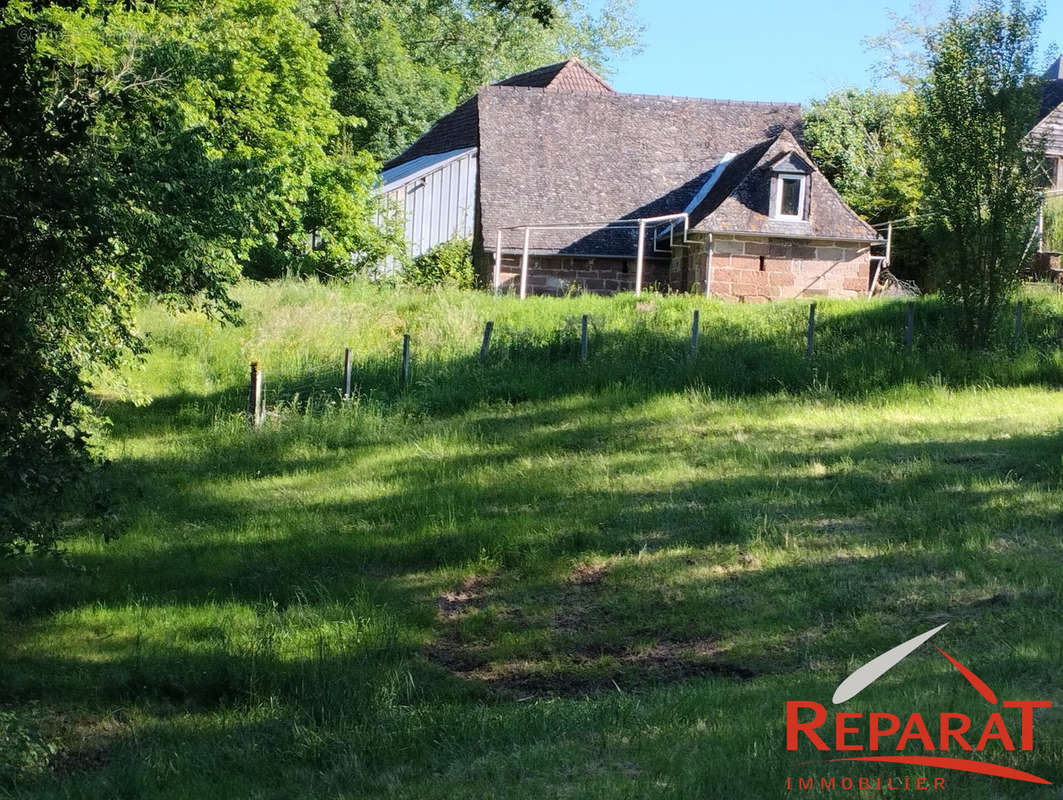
(297, 331)
(1053, 225)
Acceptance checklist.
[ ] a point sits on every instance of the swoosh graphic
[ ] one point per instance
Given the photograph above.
(961, 764)
(877, 667)
(980, 686)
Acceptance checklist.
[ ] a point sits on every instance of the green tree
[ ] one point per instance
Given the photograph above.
(863, 142)
(982, 185)
(865, 145)
(402, 65)
(144, 149)
(377, 80)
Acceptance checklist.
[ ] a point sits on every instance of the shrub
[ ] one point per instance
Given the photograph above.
(24, 753)
(447, 264)
(1054, 225)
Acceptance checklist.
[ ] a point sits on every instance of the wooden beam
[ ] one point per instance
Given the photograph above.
(524, 266)
(810, 336)
(708, 269)
(874, 278)
(638, 259)
(497, 282)
(1041, 224)
(694, 337)
(346, 373)
(254, 398)
(485, 347)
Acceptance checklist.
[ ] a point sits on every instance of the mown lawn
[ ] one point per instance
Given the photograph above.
(540, 578)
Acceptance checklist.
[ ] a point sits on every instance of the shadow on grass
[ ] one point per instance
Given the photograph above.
(327, 601)
(445, 511)
(331, 607)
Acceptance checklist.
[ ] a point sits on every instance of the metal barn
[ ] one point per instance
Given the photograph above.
(436, 194)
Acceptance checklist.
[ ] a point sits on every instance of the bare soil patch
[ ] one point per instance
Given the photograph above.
(566, 668)
(469, 594)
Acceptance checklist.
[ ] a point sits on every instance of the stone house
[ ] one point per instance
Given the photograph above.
(562, 183)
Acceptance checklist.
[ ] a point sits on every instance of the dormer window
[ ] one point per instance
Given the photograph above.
(790, 203)
(789, 188)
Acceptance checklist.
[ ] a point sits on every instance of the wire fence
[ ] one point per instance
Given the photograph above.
(663, 357)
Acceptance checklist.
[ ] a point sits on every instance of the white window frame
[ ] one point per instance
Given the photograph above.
(780, 177)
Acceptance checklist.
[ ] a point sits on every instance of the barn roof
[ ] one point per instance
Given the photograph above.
(408, 170)
(460, 128)
(457, 130)
(564, 76)
(739, 201)
(558, 145)
(556, 157)
(1050, 121)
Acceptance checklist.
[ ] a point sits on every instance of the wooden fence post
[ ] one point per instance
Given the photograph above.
(404, 373)
(485, 348)
(811, 330)
(346, 373)
(1018, 325)
(583, 339)
(694, 337)
(255, 406)
(909, 328)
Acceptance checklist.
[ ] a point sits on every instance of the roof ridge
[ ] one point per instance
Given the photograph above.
(717, 100)
(583, 66)
(714, 100)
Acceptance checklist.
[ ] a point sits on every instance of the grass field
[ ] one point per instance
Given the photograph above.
(535, 577)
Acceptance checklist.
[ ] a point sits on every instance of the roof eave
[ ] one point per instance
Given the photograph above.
(819, 237)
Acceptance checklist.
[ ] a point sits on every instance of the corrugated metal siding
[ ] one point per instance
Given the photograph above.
(438, 205)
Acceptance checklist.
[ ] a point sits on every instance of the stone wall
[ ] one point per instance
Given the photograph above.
(755, 270)
(746, 269)
(562, 274)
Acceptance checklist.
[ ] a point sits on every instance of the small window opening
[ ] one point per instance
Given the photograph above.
(762, 263)
(790, 197)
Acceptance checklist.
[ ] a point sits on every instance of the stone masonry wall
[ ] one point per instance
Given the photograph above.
(745, 269)
(754, 270)
(561, 274)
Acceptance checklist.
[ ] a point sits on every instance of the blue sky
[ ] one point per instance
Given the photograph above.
(765, 49)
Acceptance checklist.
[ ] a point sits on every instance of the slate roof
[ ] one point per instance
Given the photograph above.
(565, 76)
(456, 131)
(554, 157)
(739, 201)
(1054, 72)
(558, 145)
(460, 128)
(1050, 120)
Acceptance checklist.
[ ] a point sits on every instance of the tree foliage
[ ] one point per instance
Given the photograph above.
(377, 80)
(401, 66)
(978, 103)
(863, 142)
(865, 145)
(142, 150)
(164, 148)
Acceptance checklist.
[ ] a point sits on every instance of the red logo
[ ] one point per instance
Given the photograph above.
(885, 737)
